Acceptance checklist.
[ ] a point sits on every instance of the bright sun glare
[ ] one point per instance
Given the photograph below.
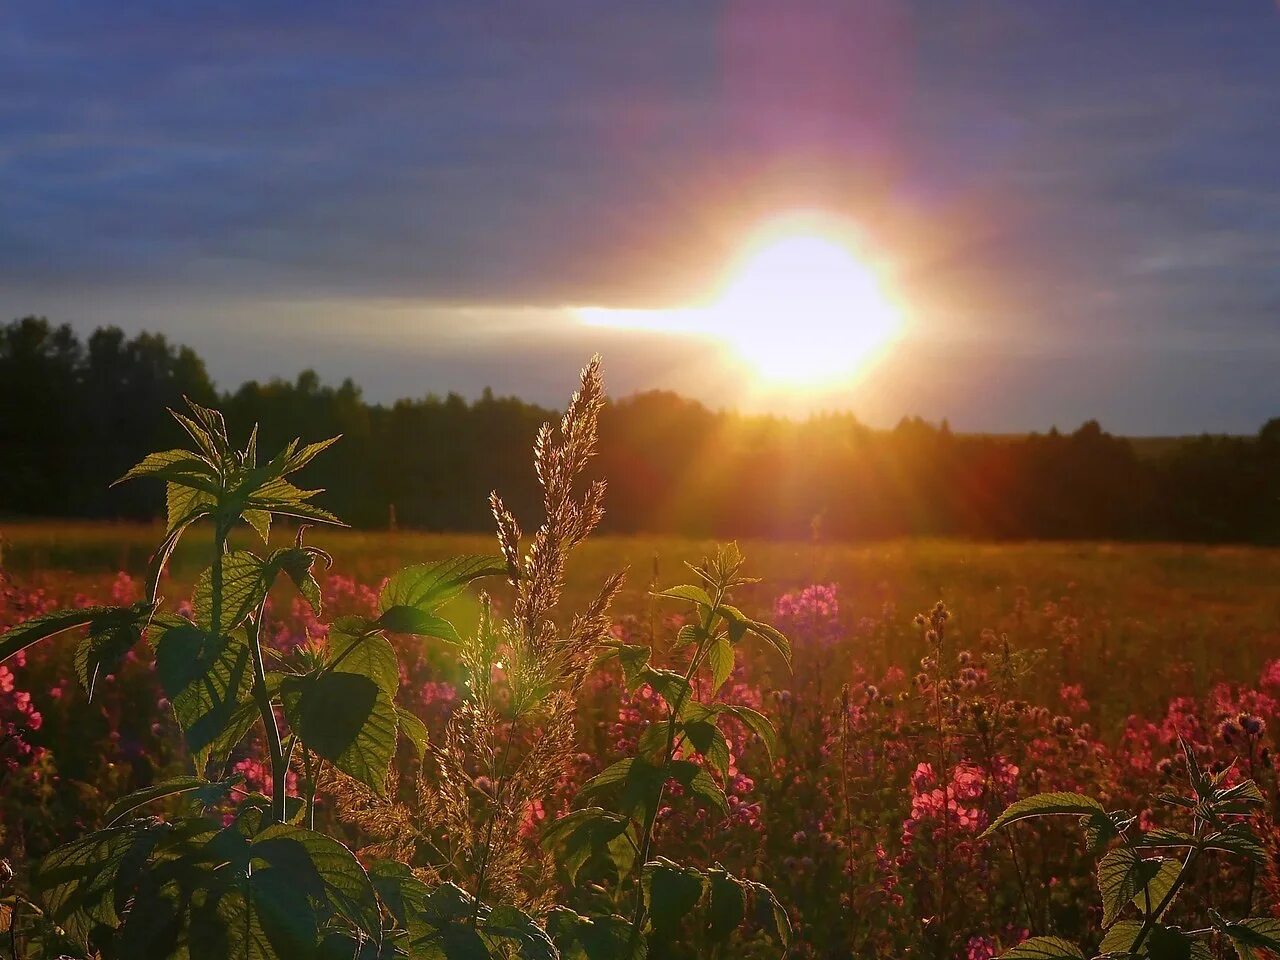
(799, 306)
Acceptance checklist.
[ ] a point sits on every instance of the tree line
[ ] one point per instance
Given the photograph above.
(75, 414)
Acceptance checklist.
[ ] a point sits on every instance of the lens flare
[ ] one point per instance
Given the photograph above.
(799, 306)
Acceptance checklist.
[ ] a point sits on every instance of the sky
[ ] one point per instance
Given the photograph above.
(1075, 202)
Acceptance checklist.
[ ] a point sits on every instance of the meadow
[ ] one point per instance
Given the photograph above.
(1088, 661)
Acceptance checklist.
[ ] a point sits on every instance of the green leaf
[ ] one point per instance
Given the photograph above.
(728, 906)
(181, 466)
(1253, 936)
(671, 686)
(1043, 948)
(634, 780)
(325, 869)
(1046, 805)
(347, 719)
(428, 586)
(413, 730)
(582, 834)
(183, 503)
(399, 890)
(110, 637)
(757, 723)
(672, 893)
(207, 678)
(1160, 884)
(78, 882)
(207, 792)
(721, 657)
(687, 592)
(1238, 839)
(1120, 937)
(507, 924)
(20, 636)
(634, 660)
(695, 778)
(1123, 876)
(770, 914)
(740, 623)
(598, 938)
(410, 620)
(706, 739)
(298, 564)
(244, 586)
(260, 520)
(297, 459)
(353, 648)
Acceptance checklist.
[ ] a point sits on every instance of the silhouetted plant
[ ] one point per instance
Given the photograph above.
(1141, 872)
(246, 875)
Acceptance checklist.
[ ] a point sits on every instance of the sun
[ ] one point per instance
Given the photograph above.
(799, 305)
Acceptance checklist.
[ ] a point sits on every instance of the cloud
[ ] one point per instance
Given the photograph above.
(1059, 174)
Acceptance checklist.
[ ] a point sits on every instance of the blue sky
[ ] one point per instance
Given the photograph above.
(1079, 199)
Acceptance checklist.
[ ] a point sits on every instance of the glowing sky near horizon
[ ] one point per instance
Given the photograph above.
(1072, 205)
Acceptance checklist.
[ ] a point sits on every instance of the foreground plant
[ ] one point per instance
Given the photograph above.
(1142, 874)
(451, 873)
(675, 909)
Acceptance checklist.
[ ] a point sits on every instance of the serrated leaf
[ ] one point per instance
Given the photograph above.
(1120, 937)
(347, 719)
(208, 680)
(688, 592)
(77, 882)
(1046, 805)
(728, 906)
(20, 636)
(325, 869)
(1122, 876)
(757, 723)
(260, 521)
(581, 834)
(1253, 936)
(508, 925)
(413, 730)
(598, 938)
(671, 892)
(695, 778)
(299, 458)
(705, 737)
(207, 791)
(183, 502)
(1239, 840)
(110, 637)
(720, 657)
(298, 564)
(427, 586)
(671, 686)
(633, 658)
(244, 587)
(353, 648)
(1043, 948)
(770, 914)
(410, 620)
(182, 466)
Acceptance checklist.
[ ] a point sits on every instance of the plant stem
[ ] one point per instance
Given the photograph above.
(279, 763)
(488, 835)
(651, 817)
(1184, 874)
(13, 927)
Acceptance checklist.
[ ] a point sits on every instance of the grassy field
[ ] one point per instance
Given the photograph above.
(1214, 611)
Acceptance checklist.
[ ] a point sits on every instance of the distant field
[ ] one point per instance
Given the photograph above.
(1216, 609)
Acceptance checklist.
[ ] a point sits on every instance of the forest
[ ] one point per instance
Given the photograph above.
(76, 413)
